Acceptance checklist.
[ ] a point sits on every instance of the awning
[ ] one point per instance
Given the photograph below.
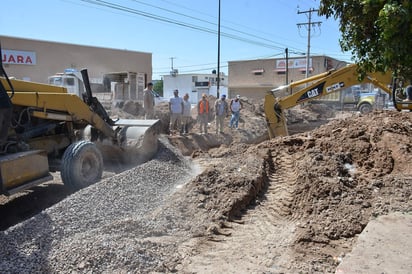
(304, 69)
(280, 70)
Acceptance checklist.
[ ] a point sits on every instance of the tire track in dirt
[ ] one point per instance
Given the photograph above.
(261, 241)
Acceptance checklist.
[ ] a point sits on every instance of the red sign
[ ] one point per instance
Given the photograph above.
(17, 57)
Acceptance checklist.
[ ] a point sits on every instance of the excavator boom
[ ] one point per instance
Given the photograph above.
(319, 86)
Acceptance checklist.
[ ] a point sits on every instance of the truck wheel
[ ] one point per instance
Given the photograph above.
(82, 165)
(365, 108)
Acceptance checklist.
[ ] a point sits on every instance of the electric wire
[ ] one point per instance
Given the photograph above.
(179, 23)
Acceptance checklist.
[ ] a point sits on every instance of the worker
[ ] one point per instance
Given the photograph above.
(203, 113)
(187, 107)
(148, 101)
(222, 111)
(235, 107)
(176, 111)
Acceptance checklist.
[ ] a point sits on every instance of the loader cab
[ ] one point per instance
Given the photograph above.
(70, 80)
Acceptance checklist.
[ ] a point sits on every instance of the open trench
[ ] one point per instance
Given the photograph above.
(260, 241)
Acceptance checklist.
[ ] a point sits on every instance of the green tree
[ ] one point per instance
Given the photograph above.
(378, 33)
(158, 87)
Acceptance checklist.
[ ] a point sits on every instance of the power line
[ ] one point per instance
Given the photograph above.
(190, 71)
(182, 24)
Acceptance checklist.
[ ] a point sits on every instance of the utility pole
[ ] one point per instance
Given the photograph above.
(171, 59)
(287, 65)
(218, 55)
(309, 24)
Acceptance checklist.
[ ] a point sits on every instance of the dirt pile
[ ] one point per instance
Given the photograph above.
(322, 186)
(328, 183)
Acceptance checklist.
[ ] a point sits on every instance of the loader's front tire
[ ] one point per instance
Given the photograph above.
(82, 165)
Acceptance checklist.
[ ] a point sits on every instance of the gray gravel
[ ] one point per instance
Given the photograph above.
(112, 226)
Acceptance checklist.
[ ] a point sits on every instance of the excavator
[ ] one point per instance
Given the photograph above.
(46, 129)
(317, 86)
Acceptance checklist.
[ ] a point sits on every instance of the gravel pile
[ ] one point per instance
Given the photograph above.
(112, 226)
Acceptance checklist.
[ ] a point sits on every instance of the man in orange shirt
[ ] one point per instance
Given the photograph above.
(203, 113)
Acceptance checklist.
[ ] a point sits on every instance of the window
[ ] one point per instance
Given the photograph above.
(202, 84)
(69, 81)
(55, 81)
(303, 70)
(194, 79)
(258, 71)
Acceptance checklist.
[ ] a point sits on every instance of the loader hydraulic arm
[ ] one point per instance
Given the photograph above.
(64, 107)
(54, 103)
(318, 86)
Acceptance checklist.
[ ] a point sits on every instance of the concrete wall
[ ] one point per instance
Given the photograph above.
(51, 57)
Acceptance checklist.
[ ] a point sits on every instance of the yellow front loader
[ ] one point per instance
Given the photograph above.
(44, 129)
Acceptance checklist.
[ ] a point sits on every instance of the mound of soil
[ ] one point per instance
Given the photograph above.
(317, 190)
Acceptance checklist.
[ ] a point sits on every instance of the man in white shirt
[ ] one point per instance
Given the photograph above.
(176, 111)
(235, 107)
(222, 111)
(148, 101)
(187, 115)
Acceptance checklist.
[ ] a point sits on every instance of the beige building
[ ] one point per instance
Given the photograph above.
(253, 78)
(35, 60)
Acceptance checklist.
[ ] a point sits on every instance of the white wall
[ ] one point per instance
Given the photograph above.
(184, 83)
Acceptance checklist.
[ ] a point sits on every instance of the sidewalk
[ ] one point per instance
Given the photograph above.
(384, 246)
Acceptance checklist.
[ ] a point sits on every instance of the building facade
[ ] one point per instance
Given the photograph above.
(194, 85)
(35, 60)
(254, 78)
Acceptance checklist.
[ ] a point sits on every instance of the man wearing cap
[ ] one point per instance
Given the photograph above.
(203, 113)
(222, 110)
(235, 107)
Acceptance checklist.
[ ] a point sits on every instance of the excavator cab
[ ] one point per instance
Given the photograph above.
(401, 98)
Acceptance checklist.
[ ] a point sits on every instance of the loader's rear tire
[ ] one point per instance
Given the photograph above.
(82, 165)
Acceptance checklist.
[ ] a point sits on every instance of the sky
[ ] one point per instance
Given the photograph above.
(182, 34)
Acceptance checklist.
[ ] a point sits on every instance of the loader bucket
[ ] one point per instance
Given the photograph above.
(139, 144)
